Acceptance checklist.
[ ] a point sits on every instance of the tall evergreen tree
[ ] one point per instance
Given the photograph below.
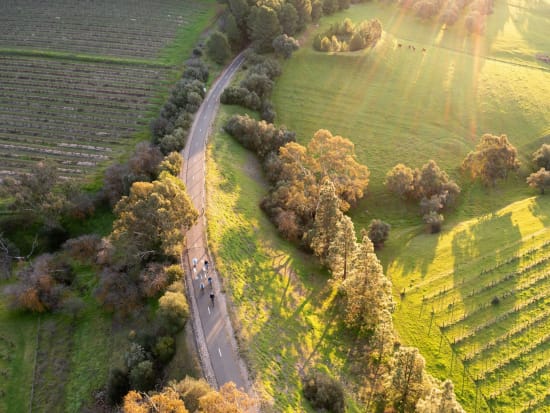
(407, 379)
(342, 249)
(327, 216)
(303, 8)
(367, 292)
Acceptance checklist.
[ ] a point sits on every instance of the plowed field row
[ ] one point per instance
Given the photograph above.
(131, 29)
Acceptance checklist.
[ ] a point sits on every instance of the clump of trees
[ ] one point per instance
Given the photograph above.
(430, 186)
(254, 91)
(171, 127)
(493, 158)
(346, 36)
(541, 179)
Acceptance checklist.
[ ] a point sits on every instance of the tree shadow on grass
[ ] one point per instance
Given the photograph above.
(540, 208)
(483, 255)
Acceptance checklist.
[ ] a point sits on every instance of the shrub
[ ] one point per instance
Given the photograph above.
(324, 392)
(118, 385)
(173, 311)
(152, 280)
(142, 376)
(378, 232)
(541, 157)
(164, 349)
(83, 248)
(174, 273)
(117, 291)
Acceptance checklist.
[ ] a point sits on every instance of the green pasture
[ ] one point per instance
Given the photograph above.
(399, 105)
(283, 306)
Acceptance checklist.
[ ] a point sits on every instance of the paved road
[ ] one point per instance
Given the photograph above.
(215, 338)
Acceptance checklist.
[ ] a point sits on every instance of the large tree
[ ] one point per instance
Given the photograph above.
(440, 400)
(303, 8)
(263, 25)
(400, 181)
(539, 180)
(492, 159)
(228, 399)
(367, 291)
(541, 157)
(153, 218)
(218, 47)
(40, 194)
(342, 249)
(327, 216)
(334, 156)
(407, 380)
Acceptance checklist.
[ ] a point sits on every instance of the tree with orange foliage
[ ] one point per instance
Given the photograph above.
(165, 402)
(228, 400)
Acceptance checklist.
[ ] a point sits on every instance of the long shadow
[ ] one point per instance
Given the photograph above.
(483, 256)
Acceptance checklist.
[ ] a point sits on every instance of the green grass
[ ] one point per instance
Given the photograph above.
(397, 105)
(446, 274)
(283, 307)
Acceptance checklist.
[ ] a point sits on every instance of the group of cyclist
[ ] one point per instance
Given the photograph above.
(205, 270)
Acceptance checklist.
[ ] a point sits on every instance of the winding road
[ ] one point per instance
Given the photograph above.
(212, 327)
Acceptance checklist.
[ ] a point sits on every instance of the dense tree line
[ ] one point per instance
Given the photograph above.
(254, 91)
(346, 36)
(171, 127)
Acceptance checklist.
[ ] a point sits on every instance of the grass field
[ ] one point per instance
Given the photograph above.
(283, 307)
(399, 105)
(80, 81)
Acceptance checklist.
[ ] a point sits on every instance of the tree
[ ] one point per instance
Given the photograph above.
(432, 180)
(153, 218)
(379, 232)
(407, 379)
(117, 386)
(327, 217)
(539, 180)
(334, 156)
(475, 22)
(541, 157)
(367, 292)
(38, 194)
(228, 399)
(285, 45)
(142, 376)
(400, 181)
(191, 390)
(173, 310)
(217, 47)
(303, 9)
(434, 220)
(233, 32)
(166, 401)
(324, 392)
(264, 26)
(288, 18)
(492, 159)
(440, 401)
(172, 163)
(342, 249)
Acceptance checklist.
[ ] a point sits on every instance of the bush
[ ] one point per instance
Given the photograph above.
(118, 385)
(164, 349)
(378, 232)
(142, 376)
(174, 273)
(152, 280)
(324, 392)
(173, 311)
(83, 248)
